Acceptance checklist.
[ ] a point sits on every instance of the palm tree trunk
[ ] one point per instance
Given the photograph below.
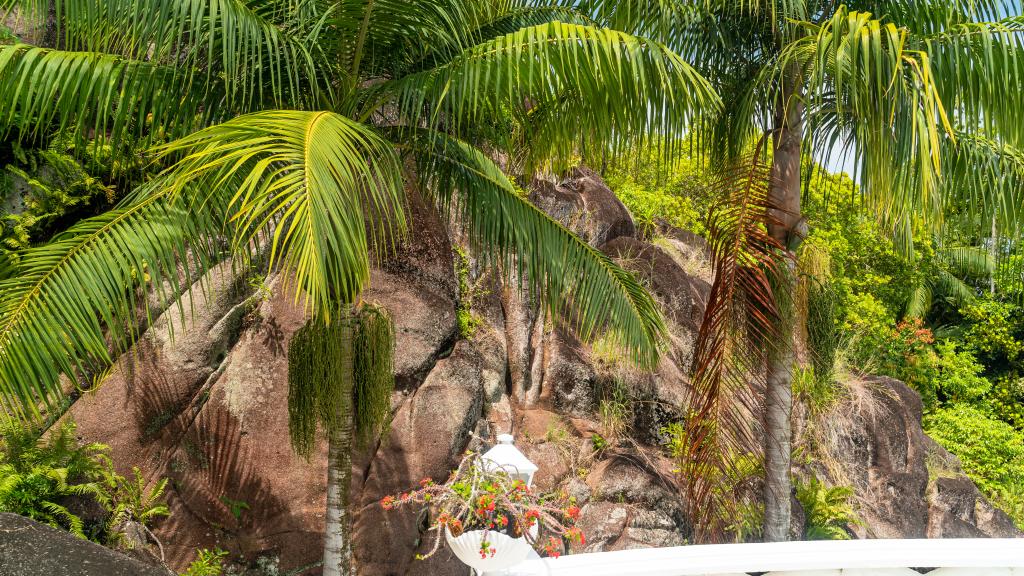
(994, 253)
(337, 533)
(785, 199)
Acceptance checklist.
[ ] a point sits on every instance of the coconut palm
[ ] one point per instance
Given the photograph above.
(921, 95)
(296, 127)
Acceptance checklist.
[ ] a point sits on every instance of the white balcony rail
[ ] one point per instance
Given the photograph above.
(966, 557)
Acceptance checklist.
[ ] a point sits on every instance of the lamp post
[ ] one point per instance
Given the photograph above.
(505, 457)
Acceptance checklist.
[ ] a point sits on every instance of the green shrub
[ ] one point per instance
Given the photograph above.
(991, 451)
(648, 205)
(868, 326)
(207, 563)
(818, 394)
(38, 476)
(905, 352)
(677, 193)
(995, 332)
(828, 512)
(7, 36)
(959, 377)
(1007, 400)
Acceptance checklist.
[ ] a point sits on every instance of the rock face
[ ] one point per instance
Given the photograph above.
(28, 548)
(907, 486)
(208, 410)
(585, 205)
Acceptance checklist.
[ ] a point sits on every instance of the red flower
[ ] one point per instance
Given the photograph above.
(485, 505)
(388, 502)
(553, 548)
(485, 548)
(573, 512)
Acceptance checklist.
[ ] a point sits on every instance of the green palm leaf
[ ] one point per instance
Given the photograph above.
(969, 261)
(920, 301)
(985, 179)
(500, 24)
(381, 38)
(979, 67)
(953, 289)
(576, 281)
(883, 97)
(628, 88)
(72, 302)
(42, 90)
(237, 45)
(310, 179)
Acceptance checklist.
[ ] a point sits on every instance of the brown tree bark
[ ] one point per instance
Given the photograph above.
(786, 218)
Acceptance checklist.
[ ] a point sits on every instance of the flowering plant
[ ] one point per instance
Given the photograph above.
(479, 496)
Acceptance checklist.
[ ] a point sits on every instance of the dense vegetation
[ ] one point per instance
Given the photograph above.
(293, 124)
(949, 322)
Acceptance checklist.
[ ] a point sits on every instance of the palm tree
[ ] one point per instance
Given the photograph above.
(296, 126)
(920, 94)
(944, 280)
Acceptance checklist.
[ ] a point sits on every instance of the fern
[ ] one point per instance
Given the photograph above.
(36, 477)
(828, 511)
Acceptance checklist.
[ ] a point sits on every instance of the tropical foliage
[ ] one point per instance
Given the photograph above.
(991, 451)
(910, 93)
(47, 478)
(298, 129)
(291, 123)
(828, 512)
(961, 355)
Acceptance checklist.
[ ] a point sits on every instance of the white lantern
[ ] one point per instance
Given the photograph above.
(507, 458)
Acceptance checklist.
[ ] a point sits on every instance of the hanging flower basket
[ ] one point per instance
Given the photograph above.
(490, 519)
(487, 550)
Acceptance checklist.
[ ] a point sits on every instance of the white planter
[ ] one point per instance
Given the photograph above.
(508, 551)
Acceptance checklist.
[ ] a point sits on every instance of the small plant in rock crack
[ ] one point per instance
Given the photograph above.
(479, 497)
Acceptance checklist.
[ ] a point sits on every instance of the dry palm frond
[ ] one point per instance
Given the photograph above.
(733, 345)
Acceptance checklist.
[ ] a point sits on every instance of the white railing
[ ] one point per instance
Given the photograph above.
(967, 557)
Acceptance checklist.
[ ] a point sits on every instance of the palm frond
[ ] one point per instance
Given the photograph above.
(236, 43)
(629, 88)
(931, 16)
(660, 17)
(73, 302)
(500, 24)
(979, 72)
(732, 348)
(576, 281)
(311, 180)
(984, 179)
(920, 301)
(43, 90)
(971, 261)
(953, 289)
(884, 97)
(381, 38)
